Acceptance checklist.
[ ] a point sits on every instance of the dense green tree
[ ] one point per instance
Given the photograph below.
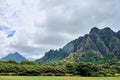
(27, 62)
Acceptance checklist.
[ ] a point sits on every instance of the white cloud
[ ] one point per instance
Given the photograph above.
(41, 25)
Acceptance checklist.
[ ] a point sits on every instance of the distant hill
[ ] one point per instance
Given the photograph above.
(14, 56)
(100, 45)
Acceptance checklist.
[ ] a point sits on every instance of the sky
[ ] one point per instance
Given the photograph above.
(33, 27)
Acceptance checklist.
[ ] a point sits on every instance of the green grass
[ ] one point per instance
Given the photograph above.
(55, 78)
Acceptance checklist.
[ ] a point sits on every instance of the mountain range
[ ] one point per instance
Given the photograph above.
(100, 45)
(13, 56)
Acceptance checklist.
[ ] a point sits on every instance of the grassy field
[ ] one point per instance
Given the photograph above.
(55, 78)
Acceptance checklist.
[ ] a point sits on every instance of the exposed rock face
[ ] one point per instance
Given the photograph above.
(98, 41)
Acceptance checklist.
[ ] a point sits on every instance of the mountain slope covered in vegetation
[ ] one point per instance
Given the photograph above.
(97, 46)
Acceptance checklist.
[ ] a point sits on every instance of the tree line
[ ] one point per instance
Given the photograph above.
(30, 68)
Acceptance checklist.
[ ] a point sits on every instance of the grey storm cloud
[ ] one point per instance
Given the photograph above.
(50, 24)
(53, 39)
(28, 49)
(79, 16)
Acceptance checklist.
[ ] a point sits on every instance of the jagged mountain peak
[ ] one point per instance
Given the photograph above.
(105, 30)
(98, 42)
(108, 29)
(94, 30)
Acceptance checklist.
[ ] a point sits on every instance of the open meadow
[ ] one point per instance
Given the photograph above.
(55, 78)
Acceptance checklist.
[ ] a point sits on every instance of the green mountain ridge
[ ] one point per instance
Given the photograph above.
(100, 45)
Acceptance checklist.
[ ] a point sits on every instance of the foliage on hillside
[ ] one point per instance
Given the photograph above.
(30, 68)
(97, 46)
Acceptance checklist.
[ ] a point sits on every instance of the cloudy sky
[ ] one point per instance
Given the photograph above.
(33, 27)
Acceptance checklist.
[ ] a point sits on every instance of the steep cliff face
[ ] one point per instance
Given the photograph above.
(97, 44)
